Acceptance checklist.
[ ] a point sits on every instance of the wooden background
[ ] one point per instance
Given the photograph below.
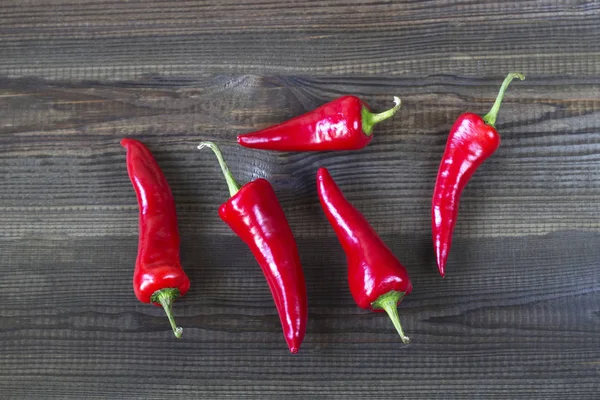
(518, 315)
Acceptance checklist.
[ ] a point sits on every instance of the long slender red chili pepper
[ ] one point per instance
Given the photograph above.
(255, 215)
(471, 141)
(376, 278)
(158, 277)
(342, 124)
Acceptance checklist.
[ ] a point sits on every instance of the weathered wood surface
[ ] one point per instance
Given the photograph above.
(518, 315)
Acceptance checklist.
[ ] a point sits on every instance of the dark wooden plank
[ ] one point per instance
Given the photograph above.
(519, 313)
(545, 172)
(506, 325)
(108, 39)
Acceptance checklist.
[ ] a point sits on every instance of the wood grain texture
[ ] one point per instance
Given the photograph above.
(518, 315)
(108, 39)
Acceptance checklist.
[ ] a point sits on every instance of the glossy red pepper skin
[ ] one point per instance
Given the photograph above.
(342, 124)
(255, 215)
(373, 270)
(158, 266)
(471, 141)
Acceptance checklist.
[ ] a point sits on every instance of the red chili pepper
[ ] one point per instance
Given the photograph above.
(471, 141)
(342, 124)
(158, 277)
(377, 279)
(254, 214)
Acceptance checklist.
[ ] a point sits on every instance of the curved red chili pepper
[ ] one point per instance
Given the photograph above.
(471, 141)
(342, 124)
(255, 215)
(158, 276)
(376, 278)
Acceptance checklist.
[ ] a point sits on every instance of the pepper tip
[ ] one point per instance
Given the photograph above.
(441, 264)
(178, 332)
(322, 171)
(203, 145)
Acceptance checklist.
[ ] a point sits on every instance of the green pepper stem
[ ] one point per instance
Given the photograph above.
(389, 303)
(490, 117)
(166, 297)
(369, 119)
(233, 186)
